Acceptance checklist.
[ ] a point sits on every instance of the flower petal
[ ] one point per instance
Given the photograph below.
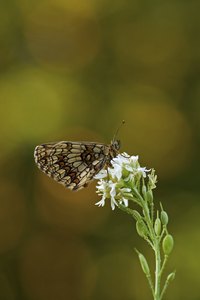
(101, 174)
(101, 203)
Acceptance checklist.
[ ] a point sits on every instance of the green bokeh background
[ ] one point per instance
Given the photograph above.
(73, 70)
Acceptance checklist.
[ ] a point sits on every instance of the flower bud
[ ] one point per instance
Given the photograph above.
(164, 217)
(157, 226)
(125, 173)
(149, 196)
(136, 215)
(171, 276)
(141, 228)
(144, 190)
(144, 264)
(168, 244)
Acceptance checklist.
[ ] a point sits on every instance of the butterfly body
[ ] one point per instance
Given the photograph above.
(74, 164)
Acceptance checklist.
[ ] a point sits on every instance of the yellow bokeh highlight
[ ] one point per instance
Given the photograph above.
(30, 105)
(34, 106)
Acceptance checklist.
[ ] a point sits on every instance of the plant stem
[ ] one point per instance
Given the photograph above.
(157, 271)
(155, 243)
(156, 247)
(163, 265)
(150, 284)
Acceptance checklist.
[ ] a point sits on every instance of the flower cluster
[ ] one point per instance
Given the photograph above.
(118, 181)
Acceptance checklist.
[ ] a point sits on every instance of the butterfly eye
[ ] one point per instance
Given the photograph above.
(117, 144)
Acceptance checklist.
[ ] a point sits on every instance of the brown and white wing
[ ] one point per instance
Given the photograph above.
(72, 164)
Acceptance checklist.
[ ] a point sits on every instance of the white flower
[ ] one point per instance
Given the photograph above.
(101, 203)
(106, 189)
(124, 201)
(102, 174)
(143, 171)
(102, 189)
(129, 163)
(116, 172)
(116, 182)
(113, 194)
(121, 159)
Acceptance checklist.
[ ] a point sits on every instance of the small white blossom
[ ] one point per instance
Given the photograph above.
(102, 174)
(124, 201)
(121, 159)
(116, 172)
(101, 203)
(116, 182)
(113, 194)
(103, 189)
(143, 171)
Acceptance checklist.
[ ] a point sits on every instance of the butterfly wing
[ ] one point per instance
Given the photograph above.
(73, 164)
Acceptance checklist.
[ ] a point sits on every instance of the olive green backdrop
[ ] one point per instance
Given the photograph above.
(73, 70)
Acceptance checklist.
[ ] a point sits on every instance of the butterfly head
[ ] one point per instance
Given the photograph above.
(114, 148)
(116, 145)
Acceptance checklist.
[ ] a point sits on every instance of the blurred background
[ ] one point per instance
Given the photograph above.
(73, 70)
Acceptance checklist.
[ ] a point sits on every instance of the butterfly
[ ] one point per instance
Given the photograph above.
(74, 164)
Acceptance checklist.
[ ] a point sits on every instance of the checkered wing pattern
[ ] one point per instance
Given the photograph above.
(73, 164)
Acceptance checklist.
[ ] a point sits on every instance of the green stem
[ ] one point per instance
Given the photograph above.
(163, 265)
(170, 277)
(150, 283)
(164, 289)
(156, 248)
(156, 244)
(152, 211)
(157, 271)
(148, 221)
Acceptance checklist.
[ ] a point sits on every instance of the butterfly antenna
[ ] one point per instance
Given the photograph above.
(116, 133)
